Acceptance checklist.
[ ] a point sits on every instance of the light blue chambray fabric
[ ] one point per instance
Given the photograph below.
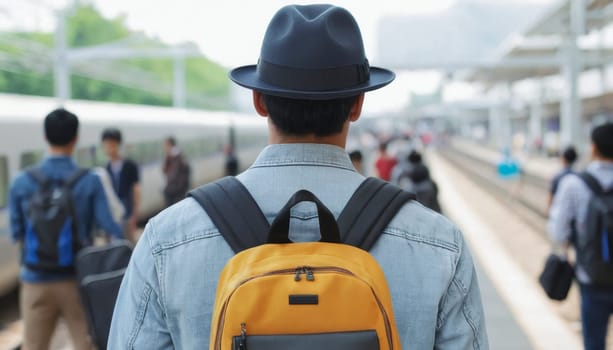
(167, 295)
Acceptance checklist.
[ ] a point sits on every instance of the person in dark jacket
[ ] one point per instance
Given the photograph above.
(177, 171)
(231, 166)
(416, 178)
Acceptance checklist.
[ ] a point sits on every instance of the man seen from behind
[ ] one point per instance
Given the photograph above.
(53, 207)
(581, 215)
(309, 84)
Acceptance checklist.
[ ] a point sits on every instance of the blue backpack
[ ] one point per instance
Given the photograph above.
(51, 238)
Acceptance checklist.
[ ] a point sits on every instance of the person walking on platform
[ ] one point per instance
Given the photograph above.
(356, 160)
(231, 164)
(53, 207)
(125, 177)
(385, 163)
(414, 176)
(582, 216)
(569, 157)
(167, 295)
(177, 172)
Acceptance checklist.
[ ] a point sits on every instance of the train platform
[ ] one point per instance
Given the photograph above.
(509, 253)
(544, 168)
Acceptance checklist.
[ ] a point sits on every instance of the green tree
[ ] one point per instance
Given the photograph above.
(207, 83)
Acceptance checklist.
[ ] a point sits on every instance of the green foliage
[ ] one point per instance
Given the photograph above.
(87, 27)
(16, 77)
(207, 82)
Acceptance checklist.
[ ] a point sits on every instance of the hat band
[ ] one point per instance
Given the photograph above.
(313, 79)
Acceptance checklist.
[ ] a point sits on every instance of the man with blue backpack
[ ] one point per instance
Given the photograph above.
(582, 216)
(301, 251)
(53, 208)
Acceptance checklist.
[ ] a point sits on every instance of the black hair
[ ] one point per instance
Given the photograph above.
(112, 134)
(383, 146)
(355, 155)
(570, 155)
(61, 127)
(414, 157)
(171, 140)
(602, 137)
(305, 117)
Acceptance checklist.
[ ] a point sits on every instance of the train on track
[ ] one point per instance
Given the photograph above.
(202, 135)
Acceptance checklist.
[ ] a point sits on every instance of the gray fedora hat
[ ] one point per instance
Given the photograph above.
(312, 52)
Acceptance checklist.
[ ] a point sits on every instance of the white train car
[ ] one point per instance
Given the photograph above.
(201, 134)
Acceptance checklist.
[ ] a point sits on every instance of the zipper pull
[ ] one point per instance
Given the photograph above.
(299, 271)
(309, 274)
(242, 345)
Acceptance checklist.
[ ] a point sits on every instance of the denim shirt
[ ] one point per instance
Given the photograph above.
(167, 295)
(91, 207)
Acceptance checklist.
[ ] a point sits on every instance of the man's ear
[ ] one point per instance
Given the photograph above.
(356, 109)
(259, 104)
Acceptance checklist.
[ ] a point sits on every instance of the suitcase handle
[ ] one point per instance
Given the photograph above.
(279, 230)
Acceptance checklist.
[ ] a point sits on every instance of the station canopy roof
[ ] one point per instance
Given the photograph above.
(539, 52)
(556, 19)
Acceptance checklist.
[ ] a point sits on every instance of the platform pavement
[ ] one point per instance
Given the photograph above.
(510, 254)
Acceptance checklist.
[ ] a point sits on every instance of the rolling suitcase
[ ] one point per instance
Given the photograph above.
(100, 270)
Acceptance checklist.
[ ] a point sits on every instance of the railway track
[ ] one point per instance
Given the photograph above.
(526, 196)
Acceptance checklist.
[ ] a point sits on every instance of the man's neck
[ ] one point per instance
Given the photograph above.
(115, 158)
(338, 140)
(314, 139)
(56, 151)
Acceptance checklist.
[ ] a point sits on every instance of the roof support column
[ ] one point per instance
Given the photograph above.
(179, 94)
(61, 69)
(536, 119)
(499, 117)
(571, 110)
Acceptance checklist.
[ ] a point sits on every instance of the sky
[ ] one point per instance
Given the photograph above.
(230, 32)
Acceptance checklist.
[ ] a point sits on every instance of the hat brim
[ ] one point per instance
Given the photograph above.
(247, 76)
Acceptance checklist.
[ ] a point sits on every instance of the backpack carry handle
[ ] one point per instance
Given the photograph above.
(279, 230)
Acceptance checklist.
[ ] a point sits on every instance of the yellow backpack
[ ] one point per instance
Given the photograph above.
(318, 295)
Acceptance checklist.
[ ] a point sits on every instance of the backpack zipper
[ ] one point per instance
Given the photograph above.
(243, 342)
(309, 272)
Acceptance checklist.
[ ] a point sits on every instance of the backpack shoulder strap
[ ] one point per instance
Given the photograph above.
(373, 205)
(75, 177)
(234, 211)
(591, 182)
(38, 175)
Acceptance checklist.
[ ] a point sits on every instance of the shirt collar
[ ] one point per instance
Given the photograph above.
(600, 165)
(57, 157)
(303, 154)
